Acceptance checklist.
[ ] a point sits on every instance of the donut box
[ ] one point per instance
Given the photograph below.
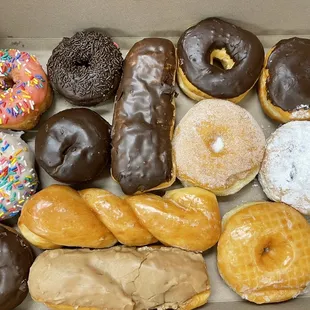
(129, 25)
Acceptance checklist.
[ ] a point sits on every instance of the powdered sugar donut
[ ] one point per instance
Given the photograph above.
(218, 146)
(18, 179)
(285, 172)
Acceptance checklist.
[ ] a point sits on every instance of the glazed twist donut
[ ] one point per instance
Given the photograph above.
(58, 216)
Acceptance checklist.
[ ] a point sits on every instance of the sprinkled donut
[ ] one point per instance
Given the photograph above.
(285, 172)
(18, 179)
(24, 90)
(86, 68)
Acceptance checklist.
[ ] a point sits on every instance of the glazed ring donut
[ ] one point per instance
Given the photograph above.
(218, 146)
(264, 252)
(86, 68)
(218, 60)
(18, 179)
(24, 90)
(285, 172)
(284, 90)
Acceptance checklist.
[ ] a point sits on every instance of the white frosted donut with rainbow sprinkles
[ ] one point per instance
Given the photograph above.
(18, 179)
(24, 90)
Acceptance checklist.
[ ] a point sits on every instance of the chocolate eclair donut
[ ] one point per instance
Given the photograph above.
(284, 90)
(86, 68)
(16, 258)
(73, 146)
(144, 117)
(218, 60)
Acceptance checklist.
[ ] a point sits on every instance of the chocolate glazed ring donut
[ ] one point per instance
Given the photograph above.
(218, 60)
(284, 90)
(73, 146)
(86, 68)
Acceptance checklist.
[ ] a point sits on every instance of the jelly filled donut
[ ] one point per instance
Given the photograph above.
(18, 180)
(73, 145)
(218, 60)
(284, 90)
(24, 90)
(285, 171)
(263, 253)
(218, 146)
(86, 68)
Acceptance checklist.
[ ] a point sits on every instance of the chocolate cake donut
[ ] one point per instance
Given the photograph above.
(218, 60)
(16, 258)
(144, 117)
(86, 68)
(73, 146)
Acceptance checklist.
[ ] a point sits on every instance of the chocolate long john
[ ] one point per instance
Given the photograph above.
(144, 117)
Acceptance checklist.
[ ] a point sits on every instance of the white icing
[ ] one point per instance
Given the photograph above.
(218, 145)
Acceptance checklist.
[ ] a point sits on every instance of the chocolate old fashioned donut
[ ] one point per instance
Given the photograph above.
(218, 60)
(86, 68)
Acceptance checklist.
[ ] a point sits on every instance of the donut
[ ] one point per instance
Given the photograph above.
(18, 179)
(284, 91)
(218, 146)
(285, 171)
(264, 251)
(218, 60)
(16, 258)
(24, 90)
(86, 68)
(73, 146)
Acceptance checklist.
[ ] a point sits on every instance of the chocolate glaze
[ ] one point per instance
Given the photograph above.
(196, 45)
(144, 115)
(73, 146)
(16, 259)
(86, 68)
(289, 76)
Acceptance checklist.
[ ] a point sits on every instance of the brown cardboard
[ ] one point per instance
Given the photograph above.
(39, 22)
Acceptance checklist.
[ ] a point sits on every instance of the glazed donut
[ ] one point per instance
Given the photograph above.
(16, 258)
(285, 171)
(18, 179)
(73, 146)
(284, 90)
(24, 90)
(86, 68)
(218, 146)
(263, 253)
(218, 60)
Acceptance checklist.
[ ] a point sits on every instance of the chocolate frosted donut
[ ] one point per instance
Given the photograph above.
(16, 259)
(86, 68)
(73, 146)
(218, 60)
(284, 85)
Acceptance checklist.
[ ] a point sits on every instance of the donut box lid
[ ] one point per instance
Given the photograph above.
(37, 28)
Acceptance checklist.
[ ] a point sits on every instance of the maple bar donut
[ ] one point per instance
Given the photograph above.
(264, 251)
(18, 179)
(218, 60)
(144, 117)
(24, 90)
(73, 146)
(218, 146)
(284, 90)
(285, 171)
(86, 68)
(16, 258)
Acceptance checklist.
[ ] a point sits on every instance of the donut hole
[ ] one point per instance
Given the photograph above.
(274, 252)
(221, 59)
(6, 83)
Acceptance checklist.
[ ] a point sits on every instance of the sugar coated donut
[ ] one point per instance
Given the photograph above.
(218, 60)
(285, 172)
(284, 90)
(86, 68)
(24, 90)
(18, 179)
(264, 252)
(218, 146)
